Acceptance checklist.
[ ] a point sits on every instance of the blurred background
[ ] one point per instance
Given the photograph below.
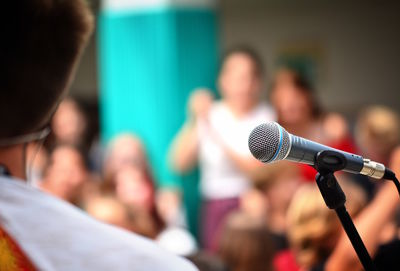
(354, 42)
(137, 89)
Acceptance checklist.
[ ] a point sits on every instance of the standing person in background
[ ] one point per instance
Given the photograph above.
(43, 41)
(216, 135)
(299, 113)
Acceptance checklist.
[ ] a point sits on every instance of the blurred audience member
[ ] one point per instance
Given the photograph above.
(216, 135)
(317, 237)
(134, 189)
(123, 150)
(245, 244)
(313, 228)
(278, 183)
(111, 211)
(128, 178)
(299, 113)
(207, 262)
(377, 133)
(69, 123)
(66, 175)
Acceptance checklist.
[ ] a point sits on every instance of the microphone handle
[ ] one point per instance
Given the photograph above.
(305, 151)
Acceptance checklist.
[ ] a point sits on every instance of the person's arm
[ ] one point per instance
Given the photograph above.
(185, 147)
(246, 164)
(184, 150)
(369, 224)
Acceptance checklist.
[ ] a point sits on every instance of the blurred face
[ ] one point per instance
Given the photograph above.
(126, 151)
(68, 123)
(133, 189)
(239, 83)
(292, 105)
(66, 174)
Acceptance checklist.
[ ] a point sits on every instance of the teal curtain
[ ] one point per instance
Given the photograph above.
(149, 62)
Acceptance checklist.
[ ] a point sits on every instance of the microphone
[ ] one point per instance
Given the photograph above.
(270, 142)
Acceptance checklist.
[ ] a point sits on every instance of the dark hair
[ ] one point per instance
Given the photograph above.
(302, 84)
(249, 52)
(79, 149)
(207, 262)
(42, 42)
(245, 244)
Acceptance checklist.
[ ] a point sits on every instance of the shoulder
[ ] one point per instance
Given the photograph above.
(85, 243)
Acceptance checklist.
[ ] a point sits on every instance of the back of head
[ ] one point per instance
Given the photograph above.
(245, 244)
(207, 262)
(41, 44)
(285, 77)
(313, 229)
(378, 132)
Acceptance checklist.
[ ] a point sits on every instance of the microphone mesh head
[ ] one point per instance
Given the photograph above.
(269, 142)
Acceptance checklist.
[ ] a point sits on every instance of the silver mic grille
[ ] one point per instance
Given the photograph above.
(269, 142)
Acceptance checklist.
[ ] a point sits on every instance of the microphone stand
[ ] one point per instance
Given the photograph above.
(326, 163)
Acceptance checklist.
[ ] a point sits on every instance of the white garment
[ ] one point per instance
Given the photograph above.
(178, 241)
(220, 178)
(55, 235)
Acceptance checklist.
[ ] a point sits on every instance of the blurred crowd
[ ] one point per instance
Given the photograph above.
(254, 217)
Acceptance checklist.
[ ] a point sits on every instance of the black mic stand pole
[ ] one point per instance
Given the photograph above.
(326, 163)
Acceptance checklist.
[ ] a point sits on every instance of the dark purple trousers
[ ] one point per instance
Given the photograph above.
(214, 213)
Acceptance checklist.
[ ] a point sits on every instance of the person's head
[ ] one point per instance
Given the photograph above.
(207, 262)
(378, 132)
(293, 98)
(66, 172)
(278, 182)
(314, 229)
(240, 78)
(134, 189)
(245, 244)
(42, 42)
(110, 210)
(69, 123)
(124, 150)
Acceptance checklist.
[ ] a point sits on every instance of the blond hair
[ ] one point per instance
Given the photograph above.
(378, 127)
(313, 229)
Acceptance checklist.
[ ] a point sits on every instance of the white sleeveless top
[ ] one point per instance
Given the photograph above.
(220, 178)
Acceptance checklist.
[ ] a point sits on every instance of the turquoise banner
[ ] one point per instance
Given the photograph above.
(149, 62)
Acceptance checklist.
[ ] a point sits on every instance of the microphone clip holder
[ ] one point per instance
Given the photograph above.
(327, 163)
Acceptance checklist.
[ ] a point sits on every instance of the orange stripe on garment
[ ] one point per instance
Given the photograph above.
(12, 258)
